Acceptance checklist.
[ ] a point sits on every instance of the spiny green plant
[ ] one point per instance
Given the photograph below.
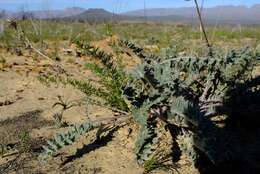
(84, 86)
(186, 92)
(112, 76)
(63, 139)
(136, 49)
(113, 81)
(87, 49)
(140, 52)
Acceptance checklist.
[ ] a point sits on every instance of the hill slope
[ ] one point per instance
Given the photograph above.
(92, 14)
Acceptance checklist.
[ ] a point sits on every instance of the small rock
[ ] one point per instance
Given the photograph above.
(41, 98)
(68, 51)
(19, 90)
(117, 114)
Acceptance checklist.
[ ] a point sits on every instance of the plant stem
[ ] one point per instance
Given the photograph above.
(203, 29)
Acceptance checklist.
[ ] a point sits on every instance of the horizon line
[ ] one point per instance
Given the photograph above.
(68, 7)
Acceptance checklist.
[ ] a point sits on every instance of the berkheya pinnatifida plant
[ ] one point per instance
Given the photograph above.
(209, 102)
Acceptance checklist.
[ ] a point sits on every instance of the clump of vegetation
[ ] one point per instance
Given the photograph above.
(197, 99)
(64, 139)
(157, 162)
(188, 93)
(112, 78)
(24, 141)
(2, 62)
(66, 105)
(23, 145)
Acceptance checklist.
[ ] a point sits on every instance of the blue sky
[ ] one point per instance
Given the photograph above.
(112, 5)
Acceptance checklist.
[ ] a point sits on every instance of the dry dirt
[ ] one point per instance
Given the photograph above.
(26, 105)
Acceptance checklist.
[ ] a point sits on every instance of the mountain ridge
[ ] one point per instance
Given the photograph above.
(45, 14)
(171, 11)
(228, 14)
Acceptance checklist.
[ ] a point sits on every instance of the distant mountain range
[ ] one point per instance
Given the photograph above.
(45, 14)
(219, 14)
